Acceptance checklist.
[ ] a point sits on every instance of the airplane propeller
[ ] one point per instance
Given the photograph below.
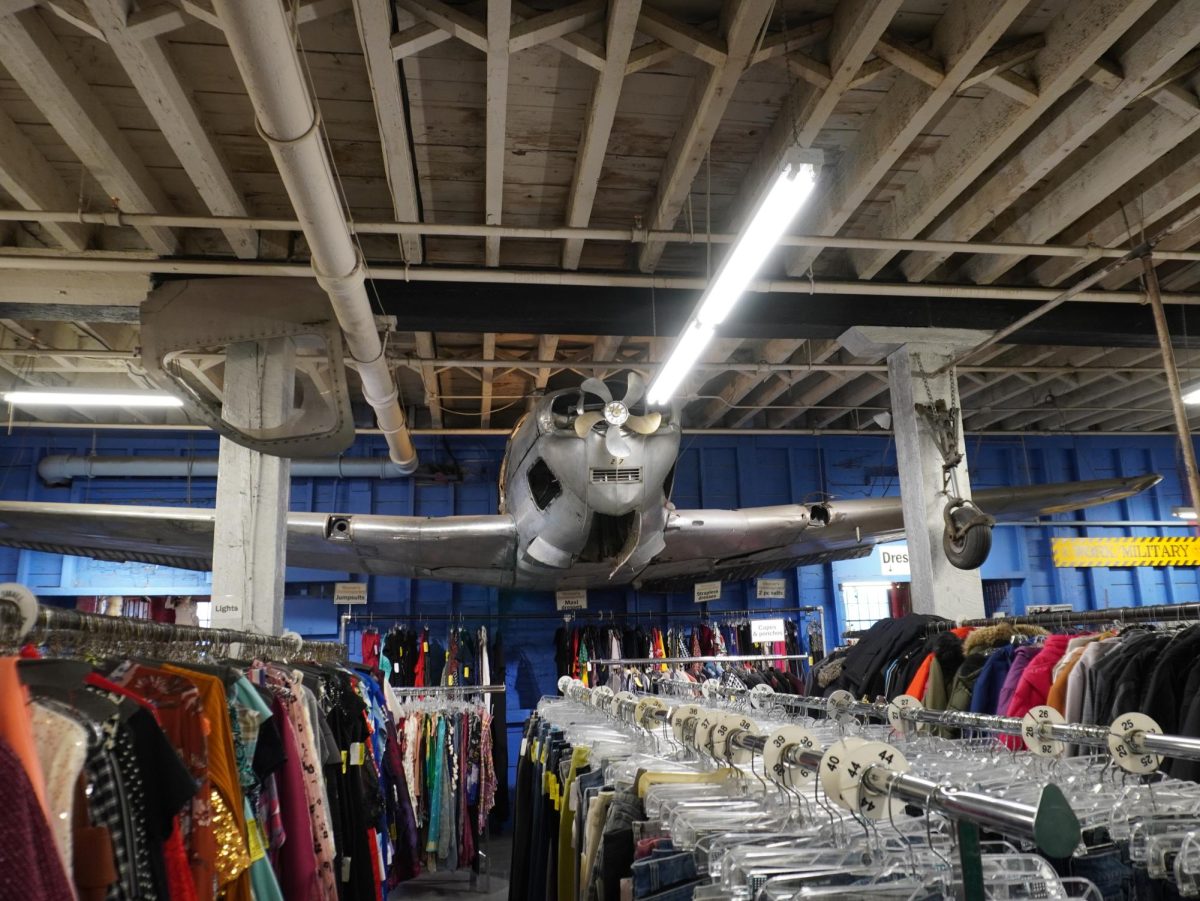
(616, 415)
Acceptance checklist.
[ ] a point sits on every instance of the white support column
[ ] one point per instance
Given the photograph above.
(250, 537)
(913, 355)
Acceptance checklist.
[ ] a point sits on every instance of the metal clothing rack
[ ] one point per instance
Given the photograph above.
(734, 658)
(449, 689)
(60, 626)
(1153, 613)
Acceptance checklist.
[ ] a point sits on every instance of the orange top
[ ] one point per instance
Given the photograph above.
(1057, 697)
(16, 726)
(916, 687)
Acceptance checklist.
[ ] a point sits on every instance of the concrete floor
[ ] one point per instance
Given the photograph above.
(442, 886)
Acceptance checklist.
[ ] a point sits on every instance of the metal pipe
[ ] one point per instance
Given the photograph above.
(287, 119)
(59, 469)
(170, 266)
(1155, 612)
(1182, 429)
(743, 658)
(116, 219)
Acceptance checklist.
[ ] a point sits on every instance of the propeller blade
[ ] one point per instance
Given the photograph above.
(585, 421)
(644, 425)
(598, 388)
(615, 443)
(634, 390)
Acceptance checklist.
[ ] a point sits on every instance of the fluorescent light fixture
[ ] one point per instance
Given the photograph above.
(1192, 395)
(51, 398)
(1188, 513)
(687, 351)
(761, 235)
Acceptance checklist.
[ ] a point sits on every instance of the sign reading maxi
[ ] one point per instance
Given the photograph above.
(1071, 552)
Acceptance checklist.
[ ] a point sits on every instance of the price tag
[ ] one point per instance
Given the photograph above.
(1121, 743)
(1031, 730)
(856, 795)
(901, 705)
(778, 769)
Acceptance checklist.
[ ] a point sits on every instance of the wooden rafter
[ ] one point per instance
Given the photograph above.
(815, 353)
(960, 40)
(36, 185)
(46, 74)
(485, 403)
(622, 25)
(778, 350)
(1153, 52)
(555, 24)
(498, 26)
(374, 28)
(547, 347)
(429, 377)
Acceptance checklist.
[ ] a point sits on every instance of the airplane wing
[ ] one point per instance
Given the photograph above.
(475, 549)
(741, 544)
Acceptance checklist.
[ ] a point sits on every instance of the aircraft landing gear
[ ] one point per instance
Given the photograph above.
(967, 538)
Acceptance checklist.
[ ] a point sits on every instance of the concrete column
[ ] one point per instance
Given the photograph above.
(913, 355)
(250, 538)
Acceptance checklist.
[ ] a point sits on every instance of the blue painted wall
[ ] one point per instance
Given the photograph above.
(716, 471)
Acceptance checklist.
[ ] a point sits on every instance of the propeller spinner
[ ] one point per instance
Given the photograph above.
(616, 415)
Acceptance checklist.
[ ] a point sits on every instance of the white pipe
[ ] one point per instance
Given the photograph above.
(58, 469)
(117, 219)
(574, 279)
(262, 45)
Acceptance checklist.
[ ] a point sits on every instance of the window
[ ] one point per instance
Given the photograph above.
(864, 604)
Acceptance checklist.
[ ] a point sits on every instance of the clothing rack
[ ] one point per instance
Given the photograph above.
(734, 658)
(449, 689)
(1153, 613)
(61, 626)
(1051, 824)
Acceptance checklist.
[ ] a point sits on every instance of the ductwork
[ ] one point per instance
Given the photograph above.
(263, 47)
(59, 469)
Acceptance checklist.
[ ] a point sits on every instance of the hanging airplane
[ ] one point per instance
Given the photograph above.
(585, 489)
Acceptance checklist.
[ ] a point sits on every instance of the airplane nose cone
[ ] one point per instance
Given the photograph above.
(615, 413)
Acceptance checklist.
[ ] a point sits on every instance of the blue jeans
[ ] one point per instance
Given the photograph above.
(658, 872)
(678, 893)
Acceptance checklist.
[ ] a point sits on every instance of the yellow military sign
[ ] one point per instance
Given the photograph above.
(1126, 551)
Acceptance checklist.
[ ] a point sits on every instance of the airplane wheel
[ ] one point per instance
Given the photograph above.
(968, 549)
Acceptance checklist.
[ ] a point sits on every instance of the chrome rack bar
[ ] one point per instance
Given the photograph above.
(1153, 613)
(449, 689)
(736, 658)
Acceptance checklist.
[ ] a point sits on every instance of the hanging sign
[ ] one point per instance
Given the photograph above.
(1070, 552)
(349, 592)
(767, 630)
(893, 560)
(1049, 608)
(771, 589)
(703, 592)
(571, 599)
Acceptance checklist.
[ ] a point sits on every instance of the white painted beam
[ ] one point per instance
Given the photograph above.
(38, 63)
(960, 40)
(485, 403)
(76, 13)
(857, 392)
(806, 68)
(555, 24)
(908, 58)
(1004, 59)
(652, 53)
(1015, 87)
(416, 38)
(605, 348)
(622, 25)
(1154, 135)
(170, 104)
(683, 37)
(1172, 183)
(429, 377)
(1154, 50)
(711, 93)
(783, 43)
(155, 19)
(374, 27)
(499, 24)
(547, 347)
(36, 185)
(450, 19)
(777, 350)
(815, 353)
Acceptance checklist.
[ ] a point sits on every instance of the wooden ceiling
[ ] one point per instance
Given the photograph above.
(1069, 125)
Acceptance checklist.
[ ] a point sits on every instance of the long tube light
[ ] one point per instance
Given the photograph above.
(760, 236)
(50, 398)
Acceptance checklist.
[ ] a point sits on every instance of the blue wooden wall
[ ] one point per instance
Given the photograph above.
(715, 471)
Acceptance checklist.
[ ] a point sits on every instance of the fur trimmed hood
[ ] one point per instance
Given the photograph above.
(1002, 633)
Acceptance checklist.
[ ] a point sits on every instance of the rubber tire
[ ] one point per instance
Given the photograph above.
(971, 550)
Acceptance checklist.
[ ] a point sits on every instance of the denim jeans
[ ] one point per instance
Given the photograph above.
(1104, 869)
(616, 846)
(656, 873)
(678, 893)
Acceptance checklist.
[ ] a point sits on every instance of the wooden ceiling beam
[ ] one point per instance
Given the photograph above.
(602, 110)
(685, 38)
(1006, 389)
(499, 25)
(485, 402)
(429, 377)
(711, 94)
(1004, 59)
(155, 19)
(783, 43)
(38, 63)
(777, 350)
(652, 53)
(170, 104)
(815, 353)
(558, 23)
(416, 38)
(450, 19)
(36, 185)
(960, 40)
(908, 58)
(374, 28)
(1163, 43)
(1155, 135)
(547, 347)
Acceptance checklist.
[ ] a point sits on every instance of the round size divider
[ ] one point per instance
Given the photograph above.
(789, 775)
(614, 705)
(1121, 735)
(760, 696)
(708, 688)
(602, 697)
(680, 716)
(854, 795)
(1031, 731)
(706, 724)
(896, 710)
(728, 724)
(834, 762)
(565, 682)
(643, 713)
